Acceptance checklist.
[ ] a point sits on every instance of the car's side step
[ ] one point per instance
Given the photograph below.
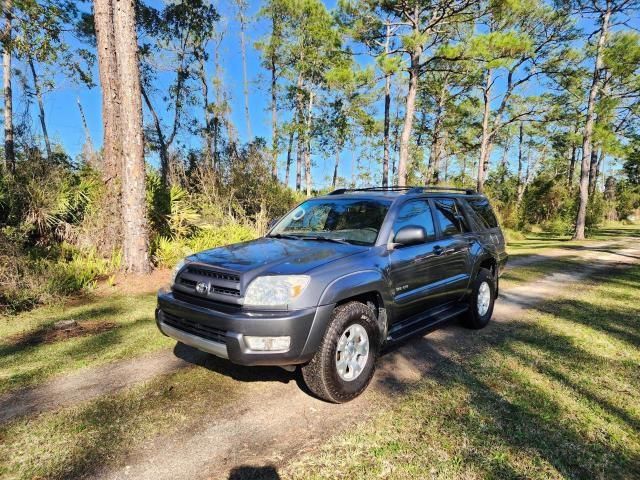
(414, 326)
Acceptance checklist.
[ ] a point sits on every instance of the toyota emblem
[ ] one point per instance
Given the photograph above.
(202, 287)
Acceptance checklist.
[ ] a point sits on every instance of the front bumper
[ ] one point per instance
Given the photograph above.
(222, 333)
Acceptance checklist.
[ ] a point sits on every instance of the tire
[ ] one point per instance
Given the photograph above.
(479, 313)
(321, 374)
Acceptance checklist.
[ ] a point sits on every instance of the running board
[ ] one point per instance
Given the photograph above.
(413, 326)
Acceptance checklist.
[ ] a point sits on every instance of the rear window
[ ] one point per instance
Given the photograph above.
(484, 212)
(447, 217)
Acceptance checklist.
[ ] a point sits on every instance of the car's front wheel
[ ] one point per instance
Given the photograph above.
(345, 362)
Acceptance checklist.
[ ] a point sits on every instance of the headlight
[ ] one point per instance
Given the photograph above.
(275, 290)
(176, 270)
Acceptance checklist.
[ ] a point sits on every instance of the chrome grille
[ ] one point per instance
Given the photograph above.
(230, 277)
(220, 284)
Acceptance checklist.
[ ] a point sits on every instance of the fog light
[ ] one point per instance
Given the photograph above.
(268, 343)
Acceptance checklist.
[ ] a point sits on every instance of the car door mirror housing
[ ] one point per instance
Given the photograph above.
(410, 235)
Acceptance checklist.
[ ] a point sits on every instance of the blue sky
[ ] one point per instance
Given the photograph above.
(64, 123)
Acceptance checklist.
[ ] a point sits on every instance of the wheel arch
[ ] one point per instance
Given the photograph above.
(367, 287)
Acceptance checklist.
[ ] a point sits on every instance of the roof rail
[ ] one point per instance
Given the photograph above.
(468, 191)
(406, 189)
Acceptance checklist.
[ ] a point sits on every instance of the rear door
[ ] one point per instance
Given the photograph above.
(412, 268)
(452, 249)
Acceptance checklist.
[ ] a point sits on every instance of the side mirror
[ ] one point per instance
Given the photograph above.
(410, 235)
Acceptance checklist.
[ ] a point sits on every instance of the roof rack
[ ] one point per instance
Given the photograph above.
(407, 189)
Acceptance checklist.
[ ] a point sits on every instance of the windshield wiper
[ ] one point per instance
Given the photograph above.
(284, 235)
(324, 239)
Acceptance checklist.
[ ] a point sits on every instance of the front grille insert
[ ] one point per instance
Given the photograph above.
(195, 328)
(230, 277)
(225, 291)
(218, 282)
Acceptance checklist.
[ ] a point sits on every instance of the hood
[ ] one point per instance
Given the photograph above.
(276, 255)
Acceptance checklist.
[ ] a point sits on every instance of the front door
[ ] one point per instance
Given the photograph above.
(413, 268)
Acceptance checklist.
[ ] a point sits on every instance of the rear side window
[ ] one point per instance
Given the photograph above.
(484, 212)
(447, 217)
(415, 212)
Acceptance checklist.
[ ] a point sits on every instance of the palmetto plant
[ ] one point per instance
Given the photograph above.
(54, 209)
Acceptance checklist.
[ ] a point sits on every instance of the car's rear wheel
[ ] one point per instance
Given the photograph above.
(482, 299)
(345, 362)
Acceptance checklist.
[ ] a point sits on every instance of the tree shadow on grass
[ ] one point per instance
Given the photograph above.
(622, 324)
(81, 349)
(532, 421)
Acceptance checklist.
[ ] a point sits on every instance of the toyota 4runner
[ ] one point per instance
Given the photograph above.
(337, 279)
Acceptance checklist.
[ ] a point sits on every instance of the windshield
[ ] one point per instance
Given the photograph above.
(351, 220)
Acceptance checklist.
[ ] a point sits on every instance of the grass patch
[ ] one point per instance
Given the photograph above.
(552, 394)
(133, 332)
(75, 442)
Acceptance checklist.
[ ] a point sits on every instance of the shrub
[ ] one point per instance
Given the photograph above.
(558, 226)
(513, 235)
(168, 252)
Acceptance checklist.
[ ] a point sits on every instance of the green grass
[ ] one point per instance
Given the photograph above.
(553, 394)
(135, 333)
(74, 442)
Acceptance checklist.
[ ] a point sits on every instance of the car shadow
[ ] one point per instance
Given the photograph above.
(225, 367)
(249, 472)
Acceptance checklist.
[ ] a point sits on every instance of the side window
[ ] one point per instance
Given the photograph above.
(483, 210)
(447, 217)
(416, 212)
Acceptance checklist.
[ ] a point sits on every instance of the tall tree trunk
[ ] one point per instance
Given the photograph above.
(276, 34)
(593, 181)
(593, 166)
(446, 168)
(112, 134)
(572, 165)
(204, 86)
(163, 150)
(85, 126)
(520, 183)
(414, 72)
(135, 244)
(485, 146)
(301, 137)
(307, 151)
(245, 77)
(38, 91)
(337, 164)
(589, 127)
(288, 167)
(387, 114)
(9, 149)
(437, 140)
(218, 99)
(274, 120)
(387, 124)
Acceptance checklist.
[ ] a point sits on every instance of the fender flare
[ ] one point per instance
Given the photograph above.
(348, 285)
(355, 283)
